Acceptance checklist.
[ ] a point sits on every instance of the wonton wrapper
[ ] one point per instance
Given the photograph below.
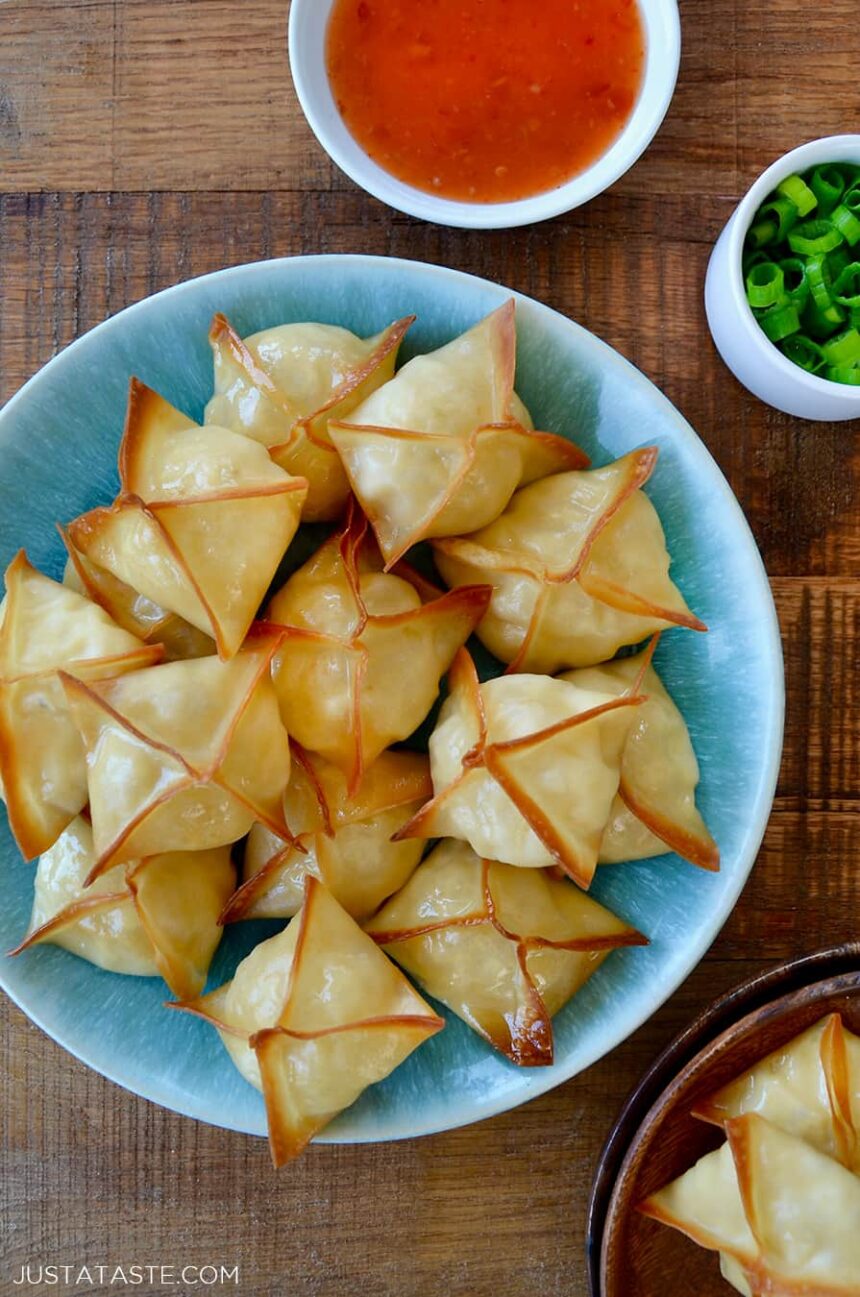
(134, 612)
(787, 1215)
(809, 1088)
(655, 806)
(202, 521)
(525, 769)
(47, 628)
(706, 1204)
(313, 1016)
(282, 386)
(579, 568)
(360, 662)
(844, 1066)
(184, 756)
(346, 839)
(441, 449)
(504, 948)
(154, 917)
(733, 1273)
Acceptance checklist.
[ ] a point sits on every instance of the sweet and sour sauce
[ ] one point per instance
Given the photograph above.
(485, 101)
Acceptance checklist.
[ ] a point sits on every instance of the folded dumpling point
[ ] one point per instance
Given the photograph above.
(441, 448)
(706, 1204)
(134, 612)
(45, 629)
(313, 1016)
(346, 838)
(803, 1209)
(807, 1087)
(203, 519)
(183, 756)
(579, 568)
(149, 918)
(655, 806)
(525, 769)
(361, 657)
(283, 385)
(504, 948)
(786, 1216)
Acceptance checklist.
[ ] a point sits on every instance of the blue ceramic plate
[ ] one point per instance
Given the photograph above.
(58, 442)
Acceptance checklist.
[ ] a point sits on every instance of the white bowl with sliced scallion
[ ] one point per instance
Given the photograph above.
(782, 292)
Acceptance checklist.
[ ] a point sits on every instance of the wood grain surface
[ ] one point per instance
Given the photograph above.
(145, 141)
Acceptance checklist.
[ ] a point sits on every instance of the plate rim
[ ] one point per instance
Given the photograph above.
(773, 704)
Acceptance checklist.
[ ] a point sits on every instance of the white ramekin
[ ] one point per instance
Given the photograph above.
(307, 33)
(753, 359)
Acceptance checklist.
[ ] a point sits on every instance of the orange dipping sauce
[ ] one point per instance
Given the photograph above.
(485, 100)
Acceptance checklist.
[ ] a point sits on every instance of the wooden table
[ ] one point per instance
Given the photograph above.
(146, 141)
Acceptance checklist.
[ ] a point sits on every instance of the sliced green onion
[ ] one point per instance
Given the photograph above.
(822, 323)
(843, 374)
(804, 352)
(846, 288)
(851, 198)
(828, 185)
(814, 236)
(761, 233)
(848, 172)
(837, 260)
(794, 280)
(847, 224)
(820, 281)
(802, 278)
(765, 284)
(751, 259)
(780, 321)
(781, 212)
(797, 191)
(844, 349)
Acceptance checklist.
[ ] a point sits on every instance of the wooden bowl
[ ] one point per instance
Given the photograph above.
(655, 1138)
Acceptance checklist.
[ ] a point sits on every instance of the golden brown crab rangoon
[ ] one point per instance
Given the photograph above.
(201, 523)
(47, 630)
(313, 1016)
(148, 918)
(342, 838)
(133, 611)
(283, 386)
(361, 657)
(440, 450)
(504, 948)
(184, 756)
(591, 767)
(780, 1199)
(655, 806)
(525, 769)
(579, 568)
